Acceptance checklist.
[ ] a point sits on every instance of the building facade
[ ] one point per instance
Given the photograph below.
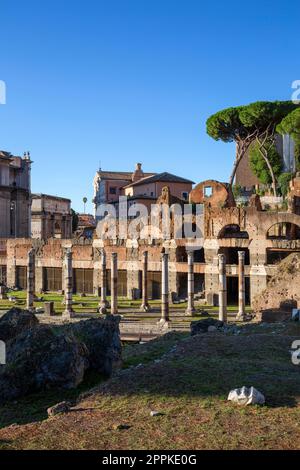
(50, 217)
(15, 195)
(139, 188)
(108, 185)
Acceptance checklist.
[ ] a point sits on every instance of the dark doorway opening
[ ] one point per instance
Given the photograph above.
(21, 276)
(233, 290)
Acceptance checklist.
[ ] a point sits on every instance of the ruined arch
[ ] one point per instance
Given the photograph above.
(283, 231)
(233, 231)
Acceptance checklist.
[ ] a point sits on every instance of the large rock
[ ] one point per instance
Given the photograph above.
(14, 322)
(101, 337)
(40, 359)
(202, 326)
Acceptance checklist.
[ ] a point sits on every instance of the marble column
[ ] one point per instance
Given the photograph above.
(222, 289)
(68, 284)
(114, 284)
(103, 303)
(165, 288)
(190, 284)
(242, 293)
(30, 279)
(145, 304)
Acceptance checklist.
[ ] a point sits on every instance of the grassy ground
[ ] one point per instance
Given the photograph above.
(187, 380)
(89, 304)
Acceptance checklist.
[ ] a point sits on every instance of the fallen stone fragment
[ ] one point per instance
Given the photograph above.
(246, 396)
(201, 326)
(156, 413)
(39, 310)
(62, 407)
(120, 427)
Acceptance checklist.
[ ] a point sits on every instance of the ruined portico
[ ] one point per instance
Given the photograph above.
(228, 230)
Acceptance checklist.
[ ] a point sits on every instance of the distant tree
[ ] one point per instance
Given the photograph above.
(259, 166)
(227, 126)
(264, 116)
(84, 200)
(75, 220)
(291, 125)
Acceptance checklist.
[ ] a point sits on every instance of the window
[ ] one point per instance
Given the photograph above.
(185, 195)
(112, 190)
(208, 191)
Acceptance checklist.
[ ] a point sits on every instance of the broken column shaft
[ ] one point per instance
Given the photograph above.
(103, 302)
(30, 279)
(190, 284)
(165, 288)
(242, 294)
(222, 289)
(145, 304)
(114, 284)
(68, 284)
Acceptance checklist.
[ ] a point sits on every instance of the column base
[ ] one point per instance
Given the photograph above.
(31, 309)
(145, 308)
(164, 323)
(190, 312)
(68, 314)
(102, 308)
(241, 316)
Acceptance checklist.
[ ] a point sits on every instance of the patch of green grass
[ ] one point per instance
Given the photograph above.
(134, 354)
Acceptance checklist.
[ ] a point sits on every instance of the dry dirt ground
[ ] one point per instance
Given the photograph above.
(187, 380)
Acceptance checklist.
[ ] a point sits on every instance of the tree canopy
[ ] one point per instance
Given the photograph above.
(265, 115)
(226, 125)
(290, 124)
(256, 122)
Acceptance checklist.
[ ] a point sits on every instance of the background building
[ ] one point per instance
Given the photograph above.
(108, 185)
(139, 187)
(85, 227)
(50, 217)
(14, 195)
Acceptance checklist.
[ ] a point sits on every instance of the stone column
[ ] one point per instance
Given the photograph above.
(103, 302)
(30, 279)
(190, 284)
(242, 293)
(222, 289)
(145, 304)
(165, 288)
(68, 284)
(114, 284)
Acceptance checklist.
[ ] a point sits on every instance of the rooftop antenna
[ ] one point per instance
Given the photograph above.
(99, 165)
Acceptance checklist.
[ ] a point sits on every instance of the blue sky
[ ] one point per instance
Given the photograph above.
(126, 81)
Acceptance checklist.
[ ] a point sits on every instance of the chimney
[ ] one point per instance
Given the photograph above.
(138, 173)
